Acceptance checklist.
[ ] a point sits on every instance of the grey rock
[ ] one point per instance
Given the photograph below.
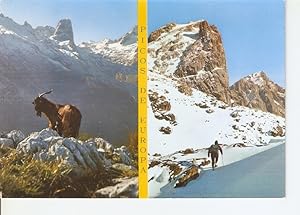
(6, 143)
(103, 145)
(64, 31)
(47, 145)
(127, 188)
(16, 136)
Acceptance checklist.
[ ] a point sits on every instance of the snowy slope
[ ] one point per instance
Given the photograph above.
(121, 51)
(259, 176)
(196, 128)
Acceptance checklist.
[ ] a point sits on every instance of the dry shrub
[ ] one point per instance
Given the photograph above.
(133, 145)
(23, 176)
(83, 136)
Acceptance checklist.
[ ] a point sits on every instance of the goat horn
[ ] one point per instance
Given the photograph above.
(45, 93)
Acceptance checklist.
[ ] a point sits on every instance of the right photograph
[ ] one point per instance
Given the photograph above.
(216, 99)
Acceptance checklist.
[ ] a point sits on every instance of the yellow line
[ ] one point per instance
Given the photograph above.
(142, 98)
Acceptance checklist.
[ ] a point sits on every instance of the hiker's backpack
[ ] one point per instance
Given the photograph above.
(214, 148)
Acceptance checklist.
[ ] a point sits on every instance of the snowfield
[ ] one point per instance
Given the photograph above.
(196, 128)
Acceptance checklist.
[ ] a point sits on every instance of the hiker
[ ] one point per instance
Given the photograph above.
(214, 152)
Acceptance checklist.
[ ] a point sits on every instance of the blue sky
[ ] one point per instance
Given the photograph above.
(91, 19)
(252, 31)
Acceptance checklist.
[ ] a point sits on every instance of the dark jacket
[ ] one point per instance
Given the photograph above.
(214, 150)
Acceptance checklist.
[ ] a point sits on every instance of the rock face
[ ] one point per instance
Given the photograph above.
(64, 31)
(203, 64)
(192, 55)
(258, 91)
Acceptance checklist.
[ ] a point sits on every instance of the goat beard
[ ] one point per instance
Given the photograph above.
(38, 113)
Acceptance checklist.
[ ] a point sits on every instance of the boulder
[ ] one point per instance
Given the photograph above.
(210, 111)
(6, 143)
(124, 188)
(16, 136)
(124, 168)
(190, 174)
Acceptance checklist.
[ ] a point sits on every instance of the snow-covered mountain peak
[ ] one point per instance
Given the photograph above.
(64, 32)
(121, 51)
(258, 78)
(26, 24)
(259, 91)
(192, 54)
(130, 37)
(10, 27)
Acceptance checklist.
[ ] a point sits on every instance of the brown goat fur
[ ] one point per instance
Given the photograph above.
(65, 119)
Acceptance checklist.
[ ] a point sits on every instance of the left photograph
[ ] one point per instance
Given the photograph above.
(68, 99)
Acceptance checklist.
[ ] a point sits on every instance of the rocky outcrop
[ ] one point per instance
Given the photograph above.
(11, 139)
(81, 157)
(42, 32)
(122, 155)
(258, 91)
(161, 107)
(190, 174)
(124, 188)
(278, 131)
(156, 34)
(203, 64)
(64, 31)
